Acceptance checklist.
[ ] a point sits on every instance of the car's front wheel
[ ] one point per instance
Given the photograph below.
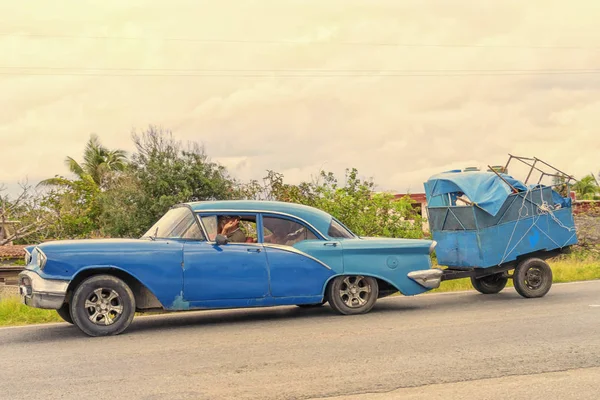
(65, 313)
(354, 294)
(102, 305)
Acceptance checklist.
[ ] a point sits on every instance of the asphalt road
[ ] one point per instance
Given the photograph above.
(460, 345)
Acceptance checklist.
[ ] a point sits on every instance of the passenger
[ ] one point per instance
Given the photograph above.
(230, 226)
(280, 233)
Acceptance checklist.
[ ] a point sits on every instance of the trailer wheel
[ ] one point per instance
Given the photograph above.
(532, 278)
(490, 284)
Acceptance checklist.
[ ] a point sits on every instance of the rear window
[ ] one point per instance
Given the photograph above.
(339, 231)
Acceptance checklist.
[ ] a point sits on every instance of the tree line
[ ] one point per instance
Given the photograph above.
(114, 194)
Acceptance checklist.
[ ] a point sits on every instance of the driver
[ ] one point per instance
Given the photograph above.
(229, 225)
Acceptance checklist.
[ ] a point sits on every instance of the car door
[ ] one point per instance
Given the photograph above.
(222, 272)
(301, 266)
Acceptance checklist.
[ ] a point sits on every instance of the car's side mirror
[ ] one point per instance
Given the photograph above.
(221, 240)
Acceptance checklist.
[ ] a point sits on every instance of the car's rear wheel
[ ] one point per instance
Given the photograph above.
(65, 313)
(490, 284)
(355, 294)
(103, 305)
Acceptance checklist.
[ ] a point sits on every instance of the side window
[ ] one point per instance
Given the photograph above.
(237, 228)
(284, 231)
(338, 231)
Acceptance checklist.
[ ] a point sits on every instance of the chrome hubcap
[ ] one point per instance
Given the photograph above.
(355, 291)
(104, 306)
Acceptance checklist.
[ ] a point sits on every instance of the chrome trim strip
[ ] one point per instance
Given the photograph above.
(41, 258)
(27, 257)
(199, 220)
(428, 278)
(212, 211)
(244, 243)
(294, 250)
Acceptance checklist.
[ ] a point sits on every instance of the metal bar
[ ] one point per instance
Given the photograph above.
(557, 176)
(508, 162)
(461, 224)
(523, 158)
(456, 273)
(505, 181)
(535, 160)
(532, 166)
(554, 168)
(475, 219)
(450, 274)
(464, 201)
(445, 218)
(505, 211)
(530, 171)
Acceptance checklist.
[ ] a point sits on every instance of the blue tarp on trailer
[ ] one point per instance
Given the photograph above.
(486, 189)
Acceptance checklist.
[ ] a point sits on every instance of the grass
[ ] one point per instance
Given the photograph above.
(13, 312)
(569, 268)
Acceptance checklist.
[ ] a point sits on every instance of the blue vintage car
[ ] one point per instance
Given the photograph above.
(223, 254)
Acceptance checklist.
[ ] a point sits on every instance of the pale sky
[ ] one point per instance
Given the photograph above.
(397, 129)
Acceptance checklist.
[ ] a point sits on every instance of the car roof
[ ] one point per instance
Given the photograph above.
(317, 218)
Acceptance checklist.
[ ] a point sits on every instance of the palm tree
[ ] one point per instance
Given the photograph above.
(97, 162)
(586, 188)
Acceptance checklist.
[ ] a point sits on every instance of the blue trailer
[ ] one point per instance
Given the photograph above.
(491, 227)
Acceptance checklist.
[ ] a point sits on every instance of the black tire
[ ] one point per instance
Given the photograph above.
(532, 278)
(490, 284)
(113, 306)
(344, 292)
(65, 313)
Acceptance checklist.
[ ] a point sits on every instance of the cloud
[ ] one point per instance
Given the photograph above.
(399, 130)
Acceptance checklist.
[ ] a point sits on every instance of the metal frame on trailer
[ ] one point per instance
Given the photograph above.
(531, 162)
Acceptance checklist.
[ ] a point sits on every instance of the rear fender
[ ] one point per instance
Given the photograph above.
(385, 287)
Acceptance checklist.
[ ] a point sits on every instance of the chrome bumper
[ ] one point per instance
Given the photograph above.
(38, 292)
(429, 278)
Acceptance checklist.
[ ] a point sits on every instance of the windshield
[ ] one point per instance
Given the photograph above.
(176, 223)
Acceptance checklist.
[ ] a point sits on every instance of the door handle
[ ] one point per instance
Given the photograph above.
(253, 250)
(330, 244)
